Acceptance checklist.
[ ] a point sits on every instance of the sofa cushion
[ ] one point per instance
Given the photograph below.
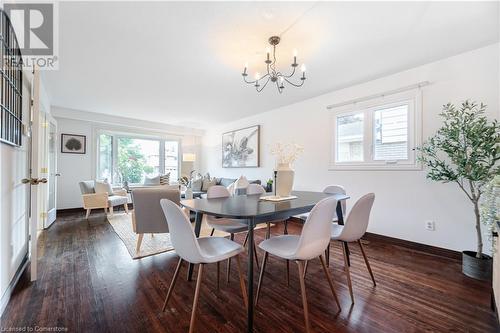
(87, 187)
(207, 183)
(197, 184)
(152, 181)
(165, 179)
(116, 200)
(103, 187)
(226, 181)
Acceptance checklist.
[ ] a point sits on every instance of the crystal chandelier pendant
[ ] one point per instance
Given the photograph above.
(272, 74)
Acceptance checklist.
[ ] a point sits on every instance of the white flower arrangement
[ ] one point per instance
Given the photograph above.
(286, 153)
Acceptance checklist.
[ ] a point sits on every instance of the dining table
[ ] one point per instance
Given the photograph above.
(253, 210)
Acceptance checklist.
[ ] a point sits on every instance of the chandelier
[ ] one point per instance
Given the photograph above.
(273, 75)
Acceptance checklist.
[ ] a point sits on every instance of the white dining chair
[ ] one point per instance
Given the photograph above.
(311, 244)
(354, 228)
(230, 226)
(201, 251)
(257, 189)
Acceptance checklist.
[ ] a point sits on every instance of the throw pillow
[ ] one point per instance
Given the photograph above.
(152, 181)
(165, 179)
(103, 187)
(196, 185)
(207, 183)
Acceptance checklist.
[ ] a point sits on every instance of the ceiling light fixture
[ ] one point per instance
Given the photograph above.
(273, 74)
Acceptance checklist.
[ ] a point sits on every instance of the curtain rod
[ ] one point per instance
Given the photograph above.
(390, 92)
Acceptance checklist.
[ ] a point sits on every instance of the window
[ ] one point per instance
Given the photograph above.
(131, 158)
(377, 134)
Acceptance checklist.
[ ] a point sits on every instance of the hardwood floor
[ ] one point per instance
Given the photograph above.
(89, 283)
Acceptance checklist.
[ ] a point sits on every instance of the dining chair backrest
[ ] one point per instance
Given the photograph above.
(357, 221)
(337, 189)
(255, 189)
(315, 235)
(181, 232)
(217, 191)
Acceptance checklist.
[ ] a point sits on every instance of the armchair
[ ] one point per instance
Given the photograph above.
(148, 216)
(106, 200)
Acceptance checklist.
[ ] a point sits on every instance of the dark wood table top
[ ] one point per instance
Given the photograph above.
(250, 206)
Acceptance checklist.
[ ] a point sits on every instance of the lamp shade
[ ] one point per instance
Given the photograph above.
(188, 157)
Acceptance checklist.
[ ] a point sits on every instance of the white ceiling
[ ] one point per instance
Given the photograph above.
(180, 63)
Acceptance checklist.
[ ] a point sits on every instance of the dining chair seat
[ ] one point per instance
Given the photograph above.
(231, 226)
(283, 246)
(214, 249)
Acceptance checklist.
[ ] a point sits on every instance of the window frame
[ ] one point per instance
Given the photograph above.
(368, 107)
(124, 133)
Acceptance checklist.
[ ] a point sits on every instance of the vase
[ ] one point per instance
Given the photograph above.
(188, 194)
(284, 180)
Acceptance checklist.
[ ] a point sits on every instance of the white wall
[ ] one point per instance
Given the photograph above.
(404, 199)
(75, 167)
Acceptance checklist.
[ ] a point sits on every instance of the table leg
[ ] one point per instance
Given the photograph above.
(197, 229)
(251, 225)
(340, 217)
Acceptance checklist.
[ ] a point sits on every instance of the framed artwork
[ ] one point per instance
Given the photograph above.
(240, 148)
(73, 143)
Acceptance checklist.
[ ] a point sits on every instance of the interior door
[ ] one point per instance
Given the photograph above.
(36, 175)
(50, 160)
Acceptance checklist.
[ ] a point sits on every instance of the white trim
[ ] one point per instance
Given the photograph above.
(4, 300)
(118, 131)
(413, 98)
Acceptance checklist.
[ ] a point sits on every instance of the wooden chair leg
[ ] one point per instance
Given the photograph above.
(242, 282)
(285, 229)
(229, 264)
(218, 275)
(111, 211)
(366, 262)
(330, 282)
(255, 255)
(348, 274)
(172, 284)
(196, 296)
(88, 214)
(261, 276)
(268, 231)
(300, 265)
(139, 242)
(306, 264)
(212, 232)
(126, 208)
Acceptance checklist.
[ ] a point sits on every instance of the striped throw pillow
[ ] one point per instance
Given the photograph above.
(165, 179)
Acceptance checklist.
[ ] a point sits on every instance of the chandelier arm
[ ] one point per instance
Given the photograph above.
(265, 84)
(278, 86)
(252, 82)
(293, 72)
(293, 84)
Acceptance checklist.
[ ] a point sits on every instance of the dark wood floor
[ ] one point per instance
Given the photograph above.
(88, 283)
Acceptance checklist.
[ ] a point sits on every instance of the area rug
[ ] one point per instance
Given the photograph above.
(122, 225)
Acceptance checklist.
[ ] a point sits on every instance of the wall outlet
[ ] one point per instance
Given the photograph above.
(430, 225)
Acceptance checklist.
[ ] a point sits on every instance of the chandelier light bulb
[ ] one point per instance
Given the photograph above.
(294, 52)
(246, 65)
(257, 76)
(303, 68)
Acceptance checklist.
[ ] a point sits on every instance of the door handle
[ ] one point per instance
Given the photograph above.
(57, 175)
(34, 181)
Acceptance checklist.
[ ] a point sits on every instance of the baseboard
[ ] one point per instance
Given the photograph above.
(429, 249)
(6, 296)
(82, 210)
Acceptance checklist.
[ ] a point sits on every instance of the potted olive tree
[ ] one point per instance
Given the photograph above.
(466, 151)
